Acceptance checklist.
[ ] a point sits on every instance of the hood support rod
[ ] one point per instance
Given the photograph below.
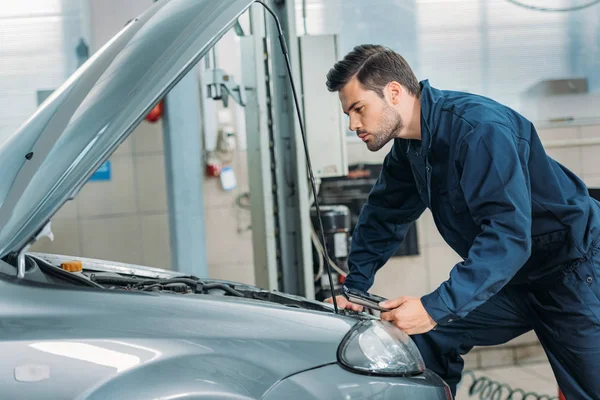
(21, 262)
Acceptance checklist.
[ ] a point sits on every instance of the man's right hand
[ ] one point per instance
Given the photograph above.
(343, 303)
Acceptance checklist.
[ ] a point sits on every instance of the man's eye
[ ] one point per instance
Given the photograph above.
(359, 109)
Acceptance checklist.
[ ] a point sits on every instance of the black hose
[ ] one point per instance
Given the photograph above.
(196, 285)
(177, 287)
(489, 389)
(149, 288)
(124, 281)
(115, 280)
(224, 287)
(186, 281)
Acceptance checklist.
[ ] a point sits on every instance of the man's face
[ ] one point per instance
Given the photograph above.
(374, 119)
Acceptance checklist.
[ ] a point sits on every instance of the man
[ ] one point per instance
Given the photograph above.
(525, 226)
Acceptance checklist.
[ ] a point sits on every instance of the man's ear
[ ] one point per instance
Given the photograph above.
(395, 91)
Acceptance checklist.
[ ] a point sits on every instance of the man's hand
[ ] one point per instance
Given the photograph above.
(343, 303)
(408, 314)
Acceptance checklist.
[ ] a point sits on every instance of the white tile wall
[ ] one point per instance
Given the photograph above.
(527, 354)
(591, 156)
(529, 337)
(117, 238)
(440, 260)
(215, 196)
(109, 219)
(590, 131)
(497, 357)
(116, 196)
(148, 138)
(431, 236)
(590, 160)
(125, 149)
(472, 360)
(422, 238)
(243, 272)
(241, 167)
(548, 134)
(569, 157)
(540, 369)
(359, 153)
(402, 276)
(155, 241)
(66, 238)
(68, 210)
(592, 181)
(224, 244)
(151, 183)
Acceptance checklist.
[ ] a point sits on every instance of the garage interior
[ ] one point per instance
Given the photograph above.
(237, 206)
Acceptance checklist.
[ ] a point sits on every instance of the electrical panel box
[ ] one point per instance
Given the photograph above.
(323, 115)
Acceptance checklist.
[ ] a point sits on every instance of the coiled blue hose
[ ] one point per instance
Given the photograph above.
(489, 389)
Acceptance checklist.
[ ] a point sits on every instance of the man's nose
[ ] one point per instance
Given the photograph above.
(354, 124)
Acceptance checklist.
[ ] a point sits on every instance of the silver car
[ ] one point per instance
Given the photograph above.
(73, 328)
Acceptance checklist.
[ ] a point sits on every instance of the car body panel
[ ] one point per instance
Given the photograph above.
(344, 385)
(94, 341)
(57, 149)
(71, 342)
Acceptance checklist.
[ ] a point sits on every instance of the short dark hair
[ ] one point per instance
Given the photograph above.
(374, 66)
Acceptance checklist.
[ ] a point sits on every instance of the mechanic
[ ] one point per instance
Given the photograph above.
(525, 226)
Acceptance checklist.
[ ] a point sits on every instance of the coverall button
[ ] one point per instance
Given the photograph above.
(589, 279)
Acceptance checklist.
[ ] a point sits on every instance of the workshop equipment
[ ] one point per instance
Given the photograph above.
(336, 229)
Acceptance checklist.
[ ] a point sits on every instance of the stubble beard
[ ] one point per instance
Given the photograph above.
(389, 128)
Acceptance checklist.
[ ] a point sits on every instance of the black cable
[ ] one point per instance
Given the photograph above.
(304, 16)
(148, 284)
(240, 204)
(547, 9)
(303, 133)
(124, 281)
(176, 287)
(149, 288)
(487, 388)
(222, 286)
(185, 281)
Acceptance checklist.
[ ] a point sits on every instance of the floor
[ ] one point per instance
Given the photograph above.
(532, 377)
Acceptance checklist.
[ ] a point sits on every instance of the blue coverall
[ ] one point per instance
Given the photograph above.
(525, 226)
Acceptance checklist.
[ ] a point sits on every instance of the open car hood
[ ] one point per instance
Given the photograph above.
(75, 130)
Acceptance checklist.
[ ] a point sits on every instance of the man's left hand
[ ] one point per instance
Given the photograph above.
(408, 314)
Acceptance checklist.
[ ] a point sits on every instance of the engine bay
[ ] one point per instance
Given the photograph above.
(51, 269)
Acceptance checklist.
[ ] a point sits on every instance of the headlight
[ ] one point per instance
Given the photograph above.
(379, 348)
